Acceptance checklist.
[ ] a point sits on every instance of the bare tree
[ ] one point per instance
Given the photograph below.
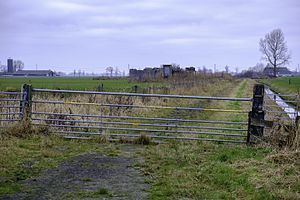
(110, 70)
(274, 49)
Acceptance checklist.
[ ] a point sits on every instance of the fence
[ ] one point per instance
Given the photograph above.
(281, 107)
(76, 114)
(10, 107)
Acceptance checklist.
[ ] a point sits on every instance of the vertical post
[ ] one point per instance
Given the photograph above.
(135, 88)
(257, 115)
(26, 101)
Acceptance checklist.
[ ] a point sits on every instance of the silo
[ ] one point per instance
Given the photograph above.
(10, 65)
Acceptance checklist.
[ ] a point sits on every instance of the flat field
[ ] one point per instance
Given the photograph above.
(14, 84)
(172, 170)
(284, 84)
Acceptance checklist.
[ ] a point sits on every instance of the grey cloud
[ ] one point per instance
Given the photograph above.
(161, 29)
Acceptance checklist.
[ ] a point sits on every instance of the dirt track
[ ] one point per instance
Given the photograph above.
(81, 176)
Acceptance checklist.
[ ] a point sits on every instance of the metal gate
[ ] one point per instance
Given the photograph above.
(76, 114)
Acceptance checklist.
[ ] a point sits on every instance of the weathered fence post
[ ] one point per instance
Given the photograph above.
(257, 115)
(298, 122)
(26, 101)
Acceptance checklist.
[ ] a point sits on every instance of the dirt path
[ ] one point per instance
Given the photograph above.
(89, 176)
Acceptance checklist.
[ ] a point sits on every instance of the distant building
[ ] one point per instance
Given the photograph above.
(41, 73)
(280, 71)
(147, 73)
(10, 66)
(167, 71)
(190, 69)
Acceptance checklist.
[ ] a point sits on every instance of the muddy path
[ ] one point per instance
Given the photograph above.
(89, 176)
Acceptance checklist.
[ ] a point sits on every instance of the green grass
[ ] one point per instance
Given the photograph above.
(284, 85)
(201, 170)
(204, 171)
(14, 84)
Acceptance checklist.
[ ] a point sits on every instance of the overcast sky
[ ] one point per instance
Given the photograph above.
(92, 34)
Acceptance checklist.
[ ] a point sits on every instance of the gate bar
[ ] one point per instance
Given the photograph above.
(153, 136)
(144, 95)
(143, 118)
(147, 130)
(140, 124)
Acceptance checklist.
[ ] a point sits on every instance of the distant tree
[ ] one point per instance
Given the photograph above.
(18, 65)
(274, 49)
(204, 69)
(236, 70)
(110, 70)
(2, 68)
(175, 68)
(117, 71)
(227, 69)
(175, 65)
(259, 67)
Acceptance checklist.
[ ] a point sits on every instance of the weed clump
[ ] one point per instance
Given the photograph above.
(143, 139)
(24, 130)
(124, 140)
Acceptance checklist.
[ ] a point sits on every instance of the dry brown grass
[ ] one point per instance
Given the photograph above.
(285, 136)
(23, 129)
(143, 139)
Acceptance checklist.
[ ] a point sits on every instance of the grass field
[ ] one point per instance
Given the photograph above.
(176, 170)
(14, 84)
(191, 170)
(284, 85)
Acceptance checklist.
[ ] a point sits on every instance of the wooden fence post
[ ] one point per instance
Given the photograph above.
(26, 101)
(257, 115)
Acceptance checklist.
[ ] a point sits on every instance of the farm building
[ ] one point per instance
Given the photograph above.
(36, 73)
(47, 73)
(280, 71)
